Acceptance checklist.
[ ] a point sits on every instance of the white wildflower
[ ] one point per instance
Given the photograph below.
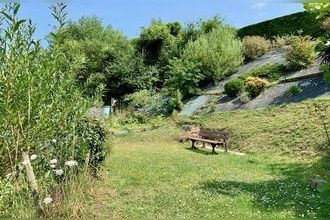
(53, 161)
(48, 200)
(59, 172)
(25, 162)
(33, 157)
(54, 141)
(328, 43)
(71, 163)
(52, 165)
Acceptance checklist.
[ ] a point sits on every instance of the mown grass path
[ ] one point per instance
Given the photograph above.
(149, 174)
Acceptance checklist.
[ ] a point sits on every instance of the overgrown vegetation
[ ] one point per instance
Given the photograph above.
(271, 71)
(51, 151)
(301, 53)
(41, 110)
(255, 46)
(234, 87)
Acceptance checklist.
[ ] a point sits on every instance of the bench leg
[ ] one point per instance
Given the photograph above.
(226, 148)
(203, 144)
(193, 144)
(213, 148)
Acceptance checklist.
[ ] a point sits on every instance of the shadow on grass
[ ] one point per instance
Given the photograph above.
(204, 151)
(290, 191)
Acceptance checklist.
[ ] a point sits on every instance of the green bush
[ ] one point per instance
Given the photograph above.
(272, 71)
(301, 53)
(255, 46)
(244, 97)
(184, 76)
(294, 90)
(152, 103)
(254, 85)
(286, 25)
(234, 87)
(281, 41)
(326, 76)
(91, 132)
(218, 53)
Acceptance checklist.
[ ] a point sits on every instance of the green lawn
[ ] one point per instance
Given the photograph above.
(150, 174)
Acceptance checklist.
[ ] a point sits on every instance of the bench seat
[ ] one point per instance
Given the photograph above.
(213, 143)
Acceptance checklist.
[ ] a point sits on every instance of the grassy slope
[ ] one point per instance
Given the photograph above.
(149, 174)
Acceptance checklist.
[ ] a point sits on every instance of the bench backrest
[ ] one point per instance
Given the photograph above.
(214, 134)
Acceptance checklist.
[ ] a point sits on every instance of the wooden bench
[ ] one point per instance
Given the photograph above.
(213, 137)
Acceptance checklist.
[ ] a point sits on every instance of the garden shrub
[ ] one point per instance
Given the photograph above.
(326, 76)
(244, 97)
(254, 85)
(281, 41)
(91, 132)
(234, 87)
(294, 90)
(160, 103)
(217, 53)
(184, 76)
(272, 71)
(255, 46)
(301, 53)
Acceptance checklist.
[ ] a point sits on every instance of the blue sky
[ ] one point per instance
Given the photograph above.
(130, 15)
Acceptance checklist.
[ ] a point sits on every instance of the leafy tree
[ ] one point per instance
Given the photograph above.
(107, 57)
(321, 10)
(184, 76)
(218, 53)
(158, 42)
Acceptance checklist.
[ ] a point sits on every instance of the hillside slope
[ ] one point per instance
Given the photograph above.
(286, 25)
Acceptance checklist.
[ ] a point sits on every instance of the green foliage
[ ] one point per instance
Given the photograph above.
(209, 25)
(286, 25)
(184, 76)
(281, 41)
(255, 46)
(107, 58)
(218, 53)
(244, 97)
(327, 76)
(157, 42)
(41, 110)
(91, 132)
(294, 90)
(320, 9)
(234, 87)
(272, 71)
(139, 99)
(152, 103)
(254, 85)
(301, 53)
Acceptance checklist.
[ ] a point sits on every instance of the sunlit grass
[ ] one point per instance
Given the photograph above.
(150, 174)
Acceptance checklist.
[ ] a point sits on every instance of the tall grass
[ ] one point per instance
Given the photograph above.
(40, 109)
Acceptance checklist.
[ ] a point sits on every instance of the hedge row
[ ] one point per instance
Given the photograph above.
(286, 25)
